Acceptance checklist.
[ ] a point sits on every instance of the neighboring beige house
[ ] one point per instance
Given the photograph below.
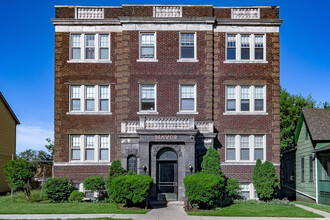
(8, 122)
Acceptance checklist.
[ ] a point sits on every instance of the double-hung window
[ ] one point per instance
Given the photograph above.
(75, 147)
(104, 147)
(187, 46)
(302, 165)
(147, 46)
(95, 99)
(311, 173)
(245, 99)
(187, 98)
(245, 148)
(90, 48)
(245, 191)
(90, 147)
(245, 47)
(148, 98)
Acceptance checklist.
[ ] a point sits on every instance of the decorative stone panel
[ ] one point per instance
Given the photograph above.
(89, 13)
(167, 11)
(245, 13)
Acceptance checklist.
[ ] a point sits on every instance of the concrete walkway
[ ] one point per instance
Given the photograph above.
(171, 212)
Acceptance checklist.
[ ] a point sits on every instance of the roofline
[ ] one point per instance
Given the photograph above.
(9, 108)
(88, 6)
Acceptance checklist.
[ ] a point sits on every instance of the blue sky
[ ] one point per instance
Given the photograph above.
(27, 60)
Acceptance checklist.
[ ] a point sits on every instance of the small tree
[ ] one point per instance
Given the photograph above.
(18, 175)
(211, 162)
(116, 170)
(94, 183)
(265, 180)
(57, 189)
(232, 188)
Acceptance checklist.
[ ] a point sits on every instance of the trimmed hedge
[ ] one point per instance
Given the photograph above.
(76, 196)
(204, 189)
(57, 189)
(94, 183)
(211, 162)
(132, 190)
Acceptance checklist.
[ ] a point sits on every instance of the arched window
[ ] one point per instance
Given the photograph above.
(167, 155)
(132, 164)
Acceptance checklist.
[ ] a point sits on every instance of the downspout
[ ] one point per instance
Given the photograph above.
(317, 180)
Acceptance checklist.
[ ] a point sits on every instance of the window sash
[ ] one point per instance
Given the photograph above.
(148, 98)
(147, 45)
(187, 97)
(187, 45)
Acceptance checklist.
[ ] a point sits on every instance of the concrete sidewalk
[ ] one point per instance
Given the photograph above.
(171, 212)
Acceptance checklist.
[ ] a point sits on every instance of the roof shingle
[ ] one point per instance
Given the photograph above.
(318, 123)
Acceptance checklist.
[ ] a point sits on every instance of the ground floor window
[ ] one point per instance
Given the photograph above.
(248, 191)
(132, 164)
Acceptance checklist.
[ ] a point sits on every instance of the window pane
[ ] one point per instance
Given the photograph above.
(187, 104)
(147, 52)
(245, 41)
(231, 105)
(104, 141)
(75, 40)
(90, 91)
(259, 41)
(245, 154)
(104, 40)
(187, 91)
(90, 104)
(231, 154)
(231, 40)
(245, 53)
(259, 105)
(104, 53)
(230, 141)
(90, 53)
(245, 92)
(245, 105)
(75, 104)
(259, 92)
(187, 52)
(187, 39)
(90, 40)
(147, 39)
(76, 53)
(104, 92)
(148, 104)
(104, 154)
(104, 105)
(259, 53)
(231, 92)
(148, 91)
(75, 92)
(75, 154)
(132, 164)
(258, 141)
(258, 154)
(245, 194)
(231, 53)
(89, 154)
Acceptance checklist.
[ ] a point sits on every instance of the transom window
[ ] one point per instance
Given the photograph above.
(245, 147)
(87, 47)
(187, 98)
(148, 98)
(245, 99)
(187, 46)
(147, 46)
(246, 47)
(95, 98)
(90, 148)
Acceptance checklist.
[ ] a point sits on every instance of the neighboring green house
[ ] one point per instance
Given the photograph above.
(312, 156)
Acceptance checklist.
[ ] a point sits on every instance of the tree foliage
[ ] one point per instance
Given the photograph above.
(116, 170)
(211, 162)
(232, 188)
(265, 180)
(40, 156)
(94, 183)
(18, 174)
(57, 189)
(76, 196)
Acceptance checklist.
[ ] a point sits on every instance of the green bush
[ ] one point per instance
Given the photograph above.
(211, 162)
(18, 174)
(204, 189)
(57, 189)
(94, 183)
(132, 190)
(76, 196)
(116, 170)
(265, 180)
(232, 188)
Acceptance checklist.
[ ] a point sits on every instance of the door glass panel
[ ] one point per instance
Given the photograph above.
(166, 177)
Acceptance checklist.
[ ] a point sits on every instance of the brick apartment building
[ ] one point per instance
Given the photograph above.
(156, 85)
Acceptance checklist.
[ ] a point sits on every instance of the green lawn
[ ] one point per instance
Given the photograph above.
(37, 206)
(258, 210)
(315, 206)
(88, 219)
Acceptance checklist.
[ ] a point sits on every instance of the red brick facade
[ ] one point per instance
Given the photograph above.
(211, 75)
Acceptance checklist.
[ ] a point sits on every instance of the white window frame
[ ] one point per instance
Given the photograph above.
(252, 100)
(251, 148)
(251, 190)
(83, 148)
(195, 48)
(83, 49)
(99, 146)
(195, 99)
(252, 48)
(83, 100)
(141, 59)
(140, 99)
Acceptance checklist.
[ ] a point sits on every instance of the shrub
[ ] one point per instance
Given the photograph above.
(132, 190)
(57, 189)
(18, 175)
(265, 180)
(76, 196)
(94, 183)
(211, 162)
(116, 170)
(232, 188)
(204, 189)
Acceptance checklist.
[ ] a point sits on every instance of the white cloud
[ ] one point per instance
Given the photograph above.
(32, 137)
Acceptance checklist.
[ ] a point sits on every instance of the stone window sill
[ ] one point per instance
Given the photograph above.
(245, 113)
(147, 60)
(187, 113)
(89, 113)
(147, 113)
(89, 61)
(245, 61)
(187, 61)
